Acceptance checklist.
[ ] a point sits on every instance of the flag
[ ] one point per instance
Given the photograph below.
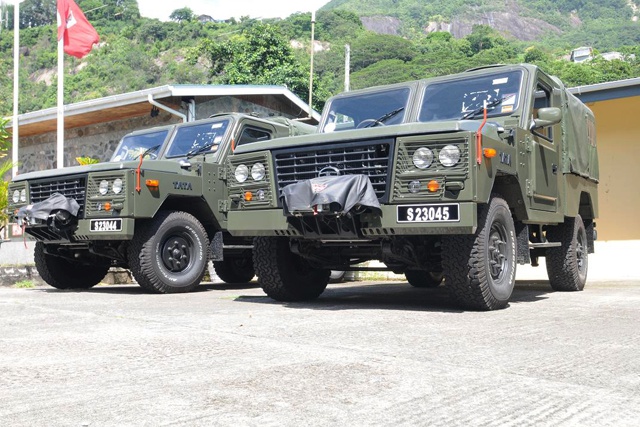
(79, 35)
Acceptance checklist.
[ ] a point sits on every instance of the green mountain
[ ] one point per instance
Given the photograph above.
(528, 20)
(389, 40)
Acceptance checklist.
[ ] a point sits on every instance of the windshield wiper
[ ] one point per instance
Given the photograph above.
(199, 150)
(149, 150)
(491, 104)
(380, 120)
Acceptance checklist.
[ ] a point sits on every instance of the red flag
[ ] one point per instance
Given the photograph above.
(79, 35)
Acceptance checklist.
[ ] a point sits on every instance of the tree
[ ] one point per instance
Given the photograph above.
(182, 15)
(5, 167)
(260, 55)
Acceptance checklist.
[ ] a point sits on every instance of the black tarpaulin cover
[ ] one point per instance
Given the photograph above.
(42, 210)
(346, 191)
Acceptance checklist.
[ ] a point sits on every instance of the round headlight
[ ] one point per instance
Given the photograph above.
(104, 187)
(23, 195)
(16, 196)
(258, 171)
(449, 155)
(117, 186)
(422, 158)
(242, 173)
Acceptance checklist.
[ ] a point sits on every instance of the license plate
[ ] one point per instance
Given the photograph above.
(429, 213)
(99, 225)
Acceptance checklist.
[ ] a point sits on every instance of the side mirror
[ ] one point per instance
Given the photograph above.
(546, 117)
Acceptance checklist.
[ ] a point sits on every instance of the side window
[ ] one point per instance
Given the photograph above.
(542, 99)
(251, 134)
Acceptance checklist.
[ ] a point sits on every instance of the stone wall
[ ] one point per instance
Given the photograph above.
(209, 106)
(98, 141)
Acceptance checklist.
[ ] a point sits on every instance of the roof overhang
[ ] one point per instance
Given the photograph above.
(607, 91)
(136, 104)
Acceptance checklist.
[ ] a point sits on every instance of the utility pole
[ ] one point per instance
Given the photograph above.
(313, 25)
(347, 66)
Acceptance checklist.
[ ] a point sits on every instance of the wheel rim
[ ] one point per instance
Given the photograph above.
(176, 253)
(498, 261)
(581, 254)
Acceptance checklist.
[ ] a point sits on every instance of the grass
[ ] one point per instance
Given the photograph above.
(25, 284)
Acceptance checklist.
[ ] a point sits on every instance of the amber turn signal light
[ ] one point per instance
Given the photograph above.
(489, 152)
(248, 196)
(433, 186)
(153, 183)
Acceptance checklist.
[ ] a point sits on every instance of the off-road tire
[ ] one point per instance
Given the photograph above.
(184, 243)
(568, 264)
(424, 279)
(480, 269)
(235, 270)
(283, 275)
(62, 273)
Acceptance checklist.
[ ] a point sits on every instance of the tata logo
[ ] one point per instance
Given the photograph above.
(182, 186)
(329, 171)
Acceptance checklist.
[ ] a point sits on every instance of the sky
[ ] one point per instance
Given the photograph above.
(224, 9)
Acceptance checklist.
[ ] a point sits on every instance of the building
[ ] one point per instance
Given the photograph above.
(93, 128)
(615, 105)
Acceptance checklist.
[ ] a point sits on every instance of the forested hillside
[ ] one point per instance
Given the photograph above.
(418, 39)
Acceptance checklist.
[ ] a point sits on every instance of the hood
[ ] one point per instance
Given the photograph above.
(163, 165)
(491, 130)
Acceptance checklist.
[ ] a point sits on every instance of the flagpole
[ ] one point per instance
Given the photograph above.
(60, 139)
(16, 85)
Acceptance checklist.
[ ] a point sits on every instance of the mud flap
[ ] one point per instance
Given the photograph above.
(336, 194)
(216, 247)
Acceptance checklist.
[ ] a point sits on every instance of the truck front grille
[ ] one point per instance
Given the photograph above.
(74, 188)
(370, 158)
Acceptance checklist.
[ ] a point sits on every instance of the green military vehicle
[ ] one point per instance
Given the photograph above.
(455, 179)
(159, 207)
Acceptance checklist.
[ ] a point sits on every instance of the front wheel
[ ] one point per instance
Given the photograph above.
(481, 268)
(168, 254)
(567, 265)
(62, 273)
(283, 275)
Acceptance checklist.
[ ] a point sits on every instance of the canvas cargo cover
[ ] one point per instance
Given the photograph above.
(580, 155)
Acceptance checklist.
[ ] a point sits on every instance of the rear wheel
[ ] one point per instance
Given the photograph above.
(283, 275)
(235, 270)
(424, 279)
(481, 268)
(567, 265)
(168, 254)
(62, 273)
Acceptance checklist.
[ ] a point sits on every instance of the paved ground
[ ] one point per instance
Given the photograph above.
(363, 354)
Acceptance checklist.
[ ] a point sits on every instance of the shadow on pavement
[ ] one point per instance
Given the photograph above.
(136, 289)
(395, 296)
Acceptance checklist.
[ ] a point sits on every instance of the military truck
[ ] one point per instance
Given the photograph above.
(158, 208)
(455, 179)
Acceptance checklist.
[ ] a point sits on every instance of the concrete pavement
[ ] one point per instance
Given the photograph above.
(363, 354)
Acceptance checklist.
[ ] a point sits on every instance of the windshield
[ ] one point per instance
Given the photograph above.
(132, 146)
(457, 99)
(367, 110)
(190, 139)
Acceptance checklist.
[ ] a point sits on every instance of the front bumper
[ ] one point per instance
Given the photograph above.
(82, 233)
(273, 222)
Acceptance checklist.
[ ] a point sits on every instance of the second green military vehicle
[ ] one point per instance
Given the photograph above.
(159, 207)
(455, 179)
